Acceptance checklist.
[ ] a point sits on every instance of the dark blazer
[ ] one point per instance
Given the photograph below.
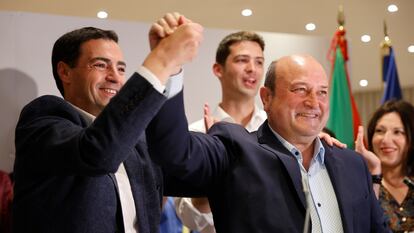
(252, 181)
(64, 165)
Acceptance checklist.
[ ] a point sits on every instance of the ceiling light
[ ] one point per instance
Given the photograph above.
(392, 8)
(411, 49)
(363, 82)
(102, 14)
(310, 26)
(366, 38)
(247, 12)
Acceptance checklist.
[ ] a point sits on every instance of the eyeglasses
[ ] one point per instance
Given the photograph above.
(105, 66)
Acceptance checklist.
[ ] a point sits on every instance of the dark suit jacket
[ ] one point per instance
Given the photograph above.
(252, 181)
(64, 166)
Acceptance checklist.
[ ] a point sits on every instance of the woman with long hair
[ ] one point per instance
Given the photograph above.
(390, 160)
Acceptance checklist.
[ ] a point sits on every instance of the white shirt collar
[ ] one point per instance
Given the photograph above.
(258, 117)
(318, 152)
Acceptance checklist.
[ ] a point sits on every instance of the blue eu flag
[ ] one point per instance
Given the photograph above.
(390, 78)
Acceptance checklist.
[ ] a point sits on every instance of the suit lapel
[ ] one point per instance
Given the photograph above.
(269, 141)
(113, 178)
(119, 215)
(134, 169)
(336, 170)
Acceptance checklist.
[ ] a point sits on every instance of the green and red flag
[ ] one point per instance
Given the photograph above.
(344, 117)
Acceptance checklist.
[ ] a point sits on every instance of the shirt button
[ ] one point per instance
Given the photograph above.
(401, 209)
(404, 219)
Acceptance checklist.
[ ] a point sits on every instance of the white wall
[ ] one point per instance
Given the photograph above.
(25, 65)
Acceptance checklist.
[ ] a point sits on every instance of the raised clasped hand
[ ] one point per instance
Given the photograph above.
(174, 41)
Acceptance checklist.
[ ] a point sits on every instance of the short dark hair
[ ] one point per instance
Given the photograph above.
(68, 47)
(223, 50)
(406, 112)
(270, 78)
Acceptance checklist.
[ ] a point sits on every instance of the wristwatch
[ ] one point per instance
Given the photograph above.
(376, 179)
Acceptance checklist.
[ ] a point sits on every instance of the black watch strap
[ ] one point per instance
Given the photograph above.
(376, 179)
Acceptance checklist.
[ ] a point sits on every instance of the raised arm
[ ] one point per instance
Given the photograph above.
(174, 41)
(374, 163)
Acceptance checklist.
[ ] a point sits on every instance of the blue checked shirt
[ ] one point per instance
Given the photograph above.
(324, 209)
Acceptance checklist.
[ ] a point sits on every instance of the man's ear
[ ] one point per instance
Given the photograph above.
(63, 71)
(218, 70)
(266, 97)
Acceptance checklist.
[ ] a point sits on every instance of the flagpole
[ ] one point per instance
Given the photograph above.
(385, 51)
(341, 18)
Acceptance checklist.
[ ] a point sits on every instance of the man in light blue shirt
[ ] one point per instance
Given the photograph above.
(264, 181)
(319, 190)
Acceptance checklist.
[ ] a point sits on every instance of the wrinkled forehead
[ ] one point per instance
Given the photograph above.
(304, 69)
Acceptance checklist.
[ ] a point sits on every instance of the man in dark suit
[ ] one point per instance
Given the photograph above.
(81, 162)
(266, 180)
